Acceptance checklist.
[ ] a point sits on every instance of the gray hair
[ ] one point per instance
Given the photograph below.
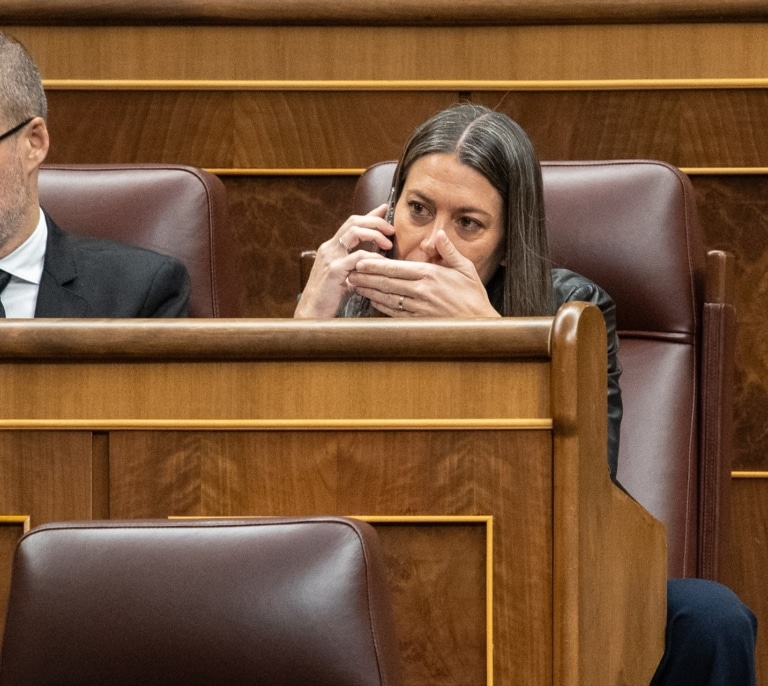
(21, 87)
(497, 147)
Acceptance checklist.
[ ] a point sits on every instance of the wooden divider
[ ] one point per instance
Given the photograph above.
(399, 12)
(423, 424)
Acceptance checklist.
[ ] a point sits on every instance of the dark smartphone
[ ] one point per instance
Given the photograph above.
(390, 217)
(364, 304)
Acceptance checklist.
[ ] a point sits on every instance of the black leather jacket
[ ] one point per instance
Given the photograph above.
(569, 287)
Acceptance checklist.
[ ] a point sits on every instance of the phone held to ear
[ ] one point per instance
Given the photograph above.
(364, 304)
(390, 216)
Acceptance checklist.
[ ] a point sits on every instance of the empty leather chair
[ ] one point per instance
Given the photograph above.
(632, 227)
(291, 601)
(173, 209)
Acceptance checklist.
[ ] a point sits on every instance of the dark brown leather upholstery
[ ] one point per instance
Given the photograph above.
(632, 227)
(292, 601)
(177, 210)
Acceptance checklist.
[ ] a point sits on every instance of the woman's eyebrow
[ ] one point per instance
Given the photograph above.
(469, 209)
(419, 195)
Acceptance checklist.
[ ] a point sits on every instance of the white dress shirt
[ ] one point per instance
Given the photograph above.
(25, 265)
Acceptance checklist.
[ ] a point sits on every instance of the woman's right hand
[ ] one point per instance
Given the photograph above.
(328, 289)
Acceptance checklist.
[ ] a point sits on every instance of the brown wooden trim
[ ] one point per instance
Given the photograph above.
(248, 339)
(372, 13)
(297, 171)
(691, 171)
(464, 85)
(489, 424)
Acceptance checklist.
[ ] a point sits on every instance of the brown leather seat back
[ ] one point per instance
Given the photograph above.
(291, 601)
(631, 226)
(173, 209)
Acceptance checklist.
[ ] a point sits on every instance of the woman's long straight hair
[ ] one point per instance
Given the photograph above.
(494, 145)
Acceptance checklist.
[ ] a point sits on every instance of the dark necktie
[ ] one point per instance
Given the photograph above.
(5, 277)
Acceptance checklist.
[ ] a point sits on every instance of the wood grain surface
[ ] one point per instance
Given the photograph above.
(551, 52)
(369, 12)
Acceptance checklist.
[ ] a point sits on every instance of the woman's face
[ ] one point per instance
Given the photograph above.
(442, 193)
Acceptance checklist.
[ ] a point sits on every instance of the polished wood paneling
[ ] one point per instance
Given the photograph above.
(45, 477)
(388, 473)
(424, 564)
(261, 417)
(212, 398)
(48, 478)
(734, 214)
(236, 129)
(347, 12)
(190, 127)
(276, 218)
(350, 128)
(12, 528)
(749, 559)
(334, 129)
(697, 127)
(560, 52)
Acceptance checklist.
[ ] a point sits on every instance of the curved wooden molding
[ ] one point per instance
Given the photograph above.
(115, 339)
(372, 13)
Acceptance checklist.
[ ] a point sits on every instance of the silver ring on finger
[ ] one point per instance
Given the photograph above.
(400, 303)
(344, 245)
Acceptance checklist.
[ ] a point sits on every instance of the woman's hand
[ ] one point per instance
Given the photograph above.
(450, 288)
(328, 288)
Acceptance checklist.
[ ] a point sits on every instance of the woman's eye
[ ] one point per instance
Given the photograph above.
(418, 209)
(469, 225)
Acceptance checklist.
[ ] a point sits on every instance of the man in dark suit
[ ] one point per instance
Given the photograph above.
(44, 271)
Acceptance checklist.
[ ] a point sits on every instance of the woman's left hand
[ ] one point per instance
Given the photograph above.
(398, 288)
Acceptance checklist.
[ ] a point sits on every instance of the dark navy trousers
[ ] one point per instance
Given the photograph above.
(710, 637)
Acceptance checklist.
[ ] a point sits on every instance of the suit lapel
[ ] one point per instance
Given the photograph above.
(54, 299)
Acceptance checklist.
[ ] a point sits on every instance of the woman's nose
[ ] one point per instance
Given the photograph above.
(430, 238)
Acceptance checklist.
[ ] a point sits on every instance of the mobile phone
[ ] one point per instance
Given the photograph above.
(390, 217)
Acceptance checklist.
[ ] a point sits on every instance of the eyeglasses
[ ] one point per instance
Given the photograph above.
(15, 129)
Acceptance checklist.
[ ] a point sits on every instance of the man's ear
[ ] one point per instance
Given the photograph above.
(35, 143)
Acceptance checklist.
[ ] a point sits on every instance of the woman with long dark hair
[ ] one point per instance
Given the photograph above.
(464, 235)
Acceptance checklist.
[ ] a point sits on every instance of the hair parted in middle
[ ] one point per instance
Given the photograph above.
(496, 146)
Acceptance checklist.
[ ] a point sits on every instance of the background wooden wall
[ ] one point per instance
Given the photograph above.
(289, 105)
